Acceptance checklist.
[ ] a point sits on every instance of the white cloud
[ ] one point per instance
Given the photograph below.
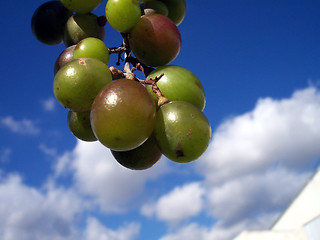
(285, 132)
(220, 230)
(49, 104)
(254, 193)
(256, 164)
(97, 174)
(49, 151)
(30, 214)
(96, 231)
(53, 213)
(179, 204)
(24, 126)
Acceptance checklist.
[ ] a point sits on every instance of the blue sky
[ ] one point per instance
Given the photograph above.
(259, 64)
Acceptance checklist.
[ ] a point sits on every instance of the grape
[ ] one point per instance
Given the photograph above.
(48, 22)
(182, 131)
(176, 10)
(179, 84)
(155, 40)
(123, 115)
(64, 57)
(79, 125)
(155, 7)
(81, 26)
(92, 48)
(123, 15)
(78, 82)
(81, 6)
(140, 158)
(113, 106)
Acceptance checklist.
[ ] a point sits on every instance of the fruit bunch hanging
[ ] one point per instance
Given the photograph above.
(137, 119)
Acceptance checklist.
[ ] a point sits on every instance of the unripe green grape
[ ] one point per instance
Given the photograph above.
(123, 115)
(182, 131)
(79, 125)
(81, 6)
(140, 158)
(78, 82)
(81, 26)
(123, 15)
(48, 22)
(92, 48)
(176, 10)
(178, 84)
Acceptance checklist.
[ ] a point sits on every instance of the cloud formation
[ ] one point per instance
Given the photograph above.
(284, 132)
(27, 213)
(24, 126)
(97, 174)
(179, 204)
(255, 165)
(49, 104)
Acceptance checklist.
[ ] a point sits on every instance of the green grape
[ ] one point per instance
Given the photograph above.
(64, 57)
(78, 82)
(155, 7)
(140, 158)
(92, 48)
(81, 6)
(179, 84)
(81, 26)
(123, 115)
(79, 125)
(48, 21)
(182, 131)
(176, 10)
(123, 15)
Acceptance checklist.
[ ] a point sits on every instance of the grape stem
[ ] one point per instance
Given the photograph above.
(128, 72)
(153, 82)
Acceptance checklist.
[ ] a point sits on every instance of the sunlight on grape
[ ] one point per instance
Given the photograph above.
(70, 72)
(172, 116)
(111, 99)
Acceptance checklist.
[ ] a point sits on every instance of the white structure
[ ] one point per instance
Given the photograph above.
(300, 221)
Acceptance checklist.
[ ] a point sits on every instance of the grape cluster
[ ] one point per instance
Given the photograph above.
(139, 120)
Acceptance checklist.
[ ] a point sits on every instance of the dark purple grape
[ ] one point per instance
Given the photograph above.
(64, 57)
(48, 22)
(140, 158)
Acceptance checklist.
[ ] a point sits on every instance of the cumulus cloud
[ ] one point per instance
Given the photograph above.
(27, 213)
(97, 174)
(49, 104)
(179, 204)
(285, 132)
(24, 126)
(219, 230)
(254, 193)
(96, 231)
(256, 164)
